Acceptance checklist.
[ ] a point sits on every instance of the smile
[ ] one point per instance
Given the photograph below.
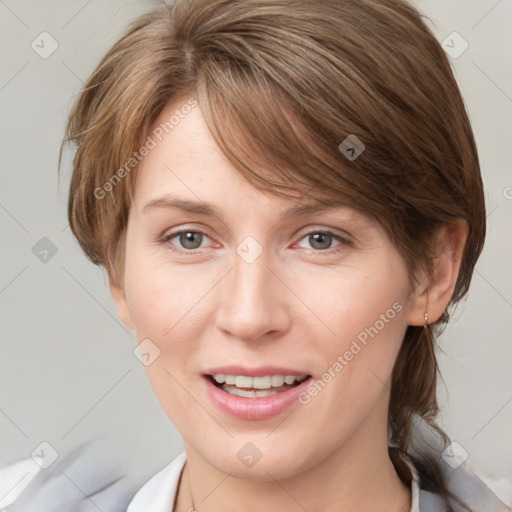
(254, 394)
(256, 387)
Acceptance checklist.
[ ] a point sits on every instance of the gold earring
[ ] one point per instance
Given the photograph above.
(426, 311)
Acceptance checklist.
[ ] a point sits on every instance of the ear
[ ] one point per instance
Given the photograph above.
(118, 294)
(434, 294)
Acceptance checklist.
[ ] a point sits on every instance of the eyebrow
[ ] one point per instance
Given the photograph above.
(210, 210)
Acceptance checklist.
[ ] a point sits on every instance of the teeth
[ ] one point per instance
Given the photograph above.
(277, 380)
(266, 382)
(251, 393)
(241, 381)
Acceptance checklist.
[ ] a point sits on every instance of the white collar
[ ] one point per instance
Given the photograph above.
(415, 485)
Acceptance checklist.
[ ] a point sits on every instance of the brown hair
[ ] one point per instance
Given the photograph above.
(281, 84)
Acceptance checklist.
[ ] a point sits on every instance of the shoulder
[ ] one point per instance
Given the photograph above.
(461, 481)
(98, 474)
(160, 490)
(465, 486)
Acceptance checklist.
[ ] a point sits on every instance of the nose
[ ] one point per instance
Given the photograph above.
(253, 303)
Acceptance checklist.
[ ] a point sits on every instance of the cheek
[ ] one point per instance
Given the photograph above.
(365, 314)
(167, 310)
(151, 299)
(361, 304)
(171, 306)
(163, 305)
(156, 294)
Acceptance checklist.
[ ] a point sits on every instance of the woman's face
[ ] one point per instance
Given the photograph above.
(224, 279)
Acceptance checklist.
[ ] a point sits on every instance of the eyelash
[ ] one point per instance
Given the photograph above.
(325, 252)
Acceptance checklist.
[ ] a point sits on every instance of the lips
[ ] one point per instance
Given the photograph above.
(255, 393)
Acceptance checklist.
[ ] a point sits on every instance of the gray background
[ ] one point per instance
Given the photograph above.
(66, 364)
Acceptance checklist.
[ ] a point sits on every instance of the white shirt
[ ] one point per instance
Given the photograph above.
(158, 494)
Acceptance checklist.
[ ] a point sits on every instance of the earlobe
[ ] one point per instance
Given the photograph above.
(118, 294)
(433, 297)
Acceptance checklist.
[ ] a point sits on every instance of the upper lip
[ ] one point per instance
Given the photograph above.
(260, 371)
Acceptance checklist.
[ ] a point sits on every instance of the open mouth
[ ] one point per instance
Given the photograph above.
(256, 387)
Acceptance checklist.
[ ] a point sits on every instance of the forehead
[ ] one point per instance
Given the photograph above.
(184, 153)
(186, 171)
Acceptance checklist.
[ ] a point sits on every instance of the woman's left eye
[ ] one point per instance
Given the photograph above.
(321, 241)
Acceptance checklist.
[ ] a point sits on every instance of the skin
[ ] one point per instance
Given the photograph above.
(295, 306)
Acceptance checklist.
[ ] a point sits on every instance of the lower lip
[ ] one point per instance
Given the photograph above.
(254, 408)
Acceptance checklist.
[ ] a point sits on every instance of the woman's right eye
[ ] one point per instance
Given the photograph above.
(188, 239)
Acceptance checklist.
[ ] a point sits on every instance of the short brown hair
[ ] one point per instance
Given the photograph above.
(281, 84)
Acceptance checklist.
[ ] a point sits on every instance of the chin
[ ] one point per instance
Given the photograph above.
(261, 459)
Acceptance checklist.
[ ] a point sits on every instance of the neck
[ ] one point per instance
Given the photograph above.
(357, 477)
